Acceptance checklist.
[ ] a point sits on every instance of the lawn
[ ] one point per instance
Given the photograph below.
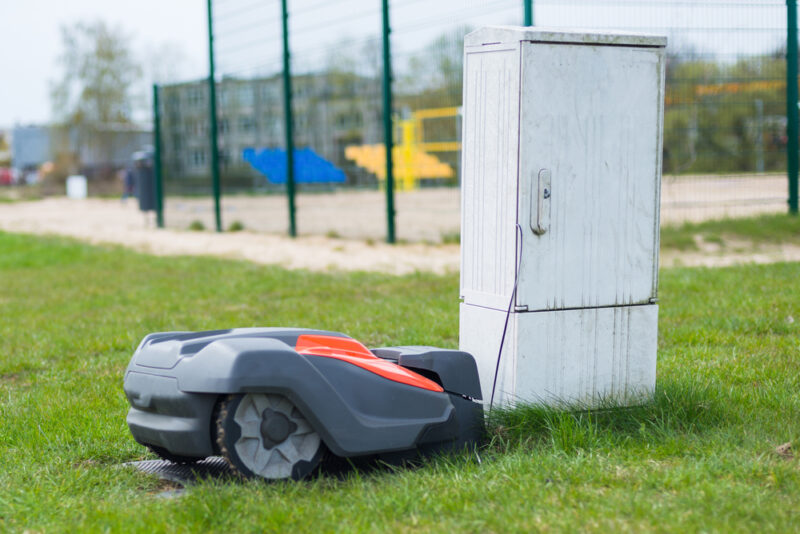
(700, 457)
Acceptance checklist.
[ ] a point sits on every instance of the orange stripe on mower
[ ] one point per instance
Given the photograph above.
(351, 351)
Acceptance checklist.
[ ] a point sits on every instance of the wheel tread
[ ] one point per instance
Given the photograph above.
(222, 415)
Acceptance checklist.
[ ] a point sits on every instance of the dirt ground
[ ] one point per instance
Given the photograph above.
(424, 215)
(345, 230)
(101, 221)
(741, 252)
(700, 198)
(430, 215)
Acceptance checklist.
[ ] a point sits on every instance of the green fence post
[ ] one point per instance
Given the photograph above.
(212, 116)
(528, 12)
(791, 103)
(157, 160)
(388, 133)
(289, 119)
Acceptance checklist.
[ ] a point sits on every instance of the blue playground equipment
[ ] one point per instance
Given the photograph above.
(309, 167)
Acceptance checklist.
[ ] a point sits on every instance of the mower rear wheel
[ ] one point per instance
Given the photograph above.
(265, 435)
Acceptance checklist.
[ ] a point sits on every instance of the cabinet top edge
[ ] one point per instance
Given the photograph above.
(510, 34)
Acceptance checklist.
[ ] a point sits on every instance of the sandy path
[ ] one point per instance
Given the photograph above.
(108, 221)
(431, 214)
(425, 215)
(700, 198)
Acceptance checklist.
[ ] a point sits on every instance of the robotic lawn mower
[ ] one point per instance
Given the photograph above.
(278, 402)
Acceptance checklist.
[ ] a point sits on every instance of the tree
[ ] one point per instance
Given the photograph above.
(95, 91)
(724, 117)
(5, 151)
(164, 62)
(433, 76)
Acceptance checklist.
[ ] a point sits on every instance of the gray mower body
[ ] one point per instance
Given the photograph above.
(175, 382)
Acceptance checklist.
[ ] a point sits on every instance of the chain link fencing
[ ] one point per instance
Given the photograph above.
(724, 128)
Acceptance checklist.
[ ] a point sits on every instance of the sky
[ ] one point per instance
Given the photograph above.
(30, 43)
(169, 36)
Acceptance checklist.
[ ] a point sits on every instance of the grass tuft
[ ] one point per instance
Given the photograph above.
(707, 453)
(451, 238)
(675, 410)
(236, 226)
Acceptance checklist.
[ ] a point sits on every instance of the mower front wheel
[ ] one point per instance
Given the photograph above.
(265, 435)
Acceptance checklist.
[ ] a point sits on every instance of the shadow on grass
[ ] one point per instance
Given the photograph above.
(676, 410)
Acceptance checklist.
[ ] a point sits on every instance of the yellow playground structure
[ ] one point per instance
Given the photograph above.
(411, 157)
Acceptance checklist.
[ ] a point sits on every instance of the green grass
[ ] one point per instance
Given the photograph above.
(765, 229)
(700, 457)
(11, 194)
(197, 226)
(451, 238)
(236, 226)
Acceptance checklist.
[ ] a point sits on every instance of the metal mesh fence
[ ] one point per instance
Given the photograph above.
(725, 113)
(427, 51)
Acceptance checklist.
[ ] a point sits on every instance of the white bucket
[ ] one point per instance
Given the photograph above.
(76, 186)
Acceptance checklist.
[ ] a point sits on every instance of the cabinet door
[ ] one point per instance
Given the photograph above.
(590, 171)
(489, 174)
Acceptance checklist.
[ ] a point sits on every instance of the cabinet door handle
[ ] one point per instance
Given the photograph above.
(541, 191)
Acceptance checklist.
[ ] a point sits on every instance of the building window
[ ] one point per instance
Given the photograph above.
(246, 124)
(195, 128)
(173, 104)
(349, 120)
(198, 158)
(194, 97)
(275, 127)
(270, 92)
(246, 96)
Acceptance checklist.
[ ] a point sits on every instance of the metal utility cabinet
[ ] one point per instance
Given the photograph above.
(561, 177)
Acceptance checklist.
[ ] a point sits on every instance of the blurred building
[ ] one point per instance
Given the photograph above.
(87, 152)
(30, 146)
(331, 111)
